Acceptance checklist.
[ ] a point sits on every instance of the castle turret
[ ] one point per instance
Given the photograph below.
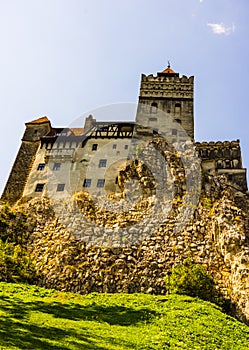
(25, 158)
(171, 94)
(89, 122)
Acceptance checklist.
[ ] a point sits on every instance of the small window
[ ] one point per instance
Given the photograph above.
(126, 147)
(104, 128)
(116, 180)
(94, 147)
(153, 108)
(35, 131)
(114, 146)
(153, 119)
(177, 108)
(60, 187)
(41, 166)
(178, 121)
(57, 166)
(87, 183)
(100, 183)
(174, 132)
(39, 187)
(102, 163)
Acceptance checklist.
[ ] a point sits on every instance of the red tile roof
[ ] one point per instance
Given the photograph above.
(168, 70)
(39, 121)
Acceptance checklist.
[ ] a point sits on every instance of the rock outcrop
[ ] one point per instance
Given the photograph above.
(216, 237)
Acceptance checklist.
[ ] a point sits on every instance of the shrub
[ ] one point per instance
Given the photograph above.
(191, 279)
(15, 264)
(13, 225)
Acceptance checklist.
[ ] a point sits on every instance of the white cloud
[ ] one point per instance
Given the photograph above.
(221, 28)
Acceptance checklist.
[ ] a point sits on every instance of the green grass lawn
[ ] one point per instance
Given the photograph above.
(37, 318)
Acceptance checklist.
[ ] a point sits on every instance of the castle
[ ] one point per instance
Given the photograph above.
(57, 160)
(81, 242)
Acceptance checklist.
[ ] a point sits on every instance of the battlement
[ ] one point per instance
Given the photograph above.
(226, 153)
(166, 86)
(160, 77)
(223, 158)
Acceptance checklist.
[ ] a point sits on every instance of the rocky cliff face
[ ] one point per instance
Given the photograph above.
(216, 237)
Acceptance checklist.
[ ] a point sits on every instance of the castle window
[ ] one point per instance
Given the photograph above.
(174, 132)
(87, 183)
(153, 108)
(94, 147)
(114, 146)
(60, 187)
(177, 108)
(116, 180)
(103, 128)
(39, 187)
(153, 119)
(41, 166)
(56, 166)
(126, 147)
(178, 121)
(102, 163)
(101, 183)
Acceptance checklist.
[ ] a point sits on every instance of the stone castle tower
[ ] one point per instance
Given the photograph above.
(25, 158)
(174, 96)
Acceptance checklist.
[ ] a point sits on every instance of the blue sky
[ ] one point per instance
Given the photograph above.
(62, 58)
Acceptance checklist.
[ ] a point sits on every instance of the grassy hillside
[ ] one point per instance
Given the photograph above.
(37, 318)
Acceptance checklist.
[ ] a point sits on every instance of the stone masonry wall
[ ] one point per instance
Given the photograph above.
(20, 171)
(216, 237)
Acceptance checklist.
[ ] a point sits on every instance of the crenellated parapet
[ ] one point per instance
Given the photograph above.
(227, 154)
(164, 85)
(223, 158)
